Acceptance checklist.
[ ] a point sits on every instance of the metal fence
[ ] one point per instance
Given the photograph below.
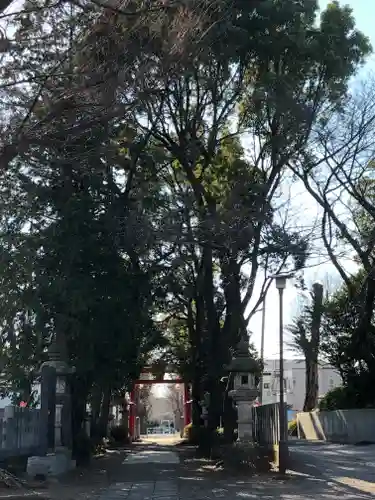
(160, 430)
(20, 432)
(266, 428)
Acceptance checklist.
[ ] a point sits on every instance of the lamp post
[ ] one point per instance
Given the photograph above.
(262, 347)
(263, 327)
(280, 281)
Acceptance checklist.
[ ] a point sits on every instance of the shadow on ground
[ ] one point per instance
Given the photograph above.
(304, 481)
(199, 479)
(349, 465)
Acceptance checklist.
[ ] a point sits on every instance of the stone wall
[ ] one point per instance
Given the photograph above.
(340, 426)
(19, 432)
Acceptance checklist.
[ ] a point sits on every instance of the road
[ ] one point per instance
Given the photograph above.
(349, 465)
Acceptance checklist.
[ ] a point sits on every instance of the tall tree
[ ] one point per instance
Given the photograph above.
(144, 126)
(278, 65)
(340, 346)
(306, 339)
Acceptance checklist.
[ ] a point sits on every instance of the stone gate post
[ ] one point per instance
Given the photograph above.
(56, 416)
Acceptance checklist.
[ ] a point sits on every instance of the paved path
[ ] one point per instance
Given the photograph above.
(160, 490)
(152, 456)
(150, 473)
(162, 439)
(159, 473)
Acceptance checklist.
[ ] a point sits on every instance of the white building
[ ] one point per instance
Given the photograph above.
(294, 381)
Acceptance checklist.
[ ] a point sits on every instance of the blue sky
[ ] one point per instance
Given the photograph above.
(363, 11)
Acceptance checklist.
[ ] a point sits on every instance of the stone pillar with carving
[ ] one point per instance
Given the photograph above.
(63, 422)
(55, 391)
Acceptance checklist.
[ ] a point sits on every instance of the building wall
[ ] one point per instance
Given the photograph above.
(294, 381)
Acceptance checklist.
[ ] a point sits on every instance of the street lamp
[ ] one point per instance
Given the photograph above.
(280, 281)
(262, 347)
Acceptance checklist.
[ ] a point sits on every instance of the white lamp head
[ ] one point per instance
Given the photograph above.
(280, 280)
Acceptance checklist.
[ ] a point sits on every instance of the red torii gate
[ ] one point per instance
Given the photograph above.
(132, 407)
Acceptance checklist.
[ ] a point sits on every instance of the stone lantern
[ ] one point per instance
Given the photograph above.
(244, 369)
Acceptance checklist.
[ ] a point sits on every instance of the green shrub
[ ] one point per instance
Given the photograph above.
(193, 434)
(340, 398)
(187, 431)
(120, 434)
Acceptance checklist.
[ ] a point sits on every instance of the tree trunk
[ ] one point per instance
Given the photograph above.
(79, 391)
(230, 415)
(96, 402)
(312, 385)
(213, 353)
(234, 327)
(196, 410)
(104, 413)
(312, 350)
(196, 337)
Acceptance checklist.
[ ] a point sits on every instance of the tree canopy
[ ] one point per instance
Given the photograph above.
(144, 153)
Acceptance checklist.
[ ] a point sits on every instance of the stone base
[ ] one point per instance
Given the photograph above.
(246, 444)
(53, 464)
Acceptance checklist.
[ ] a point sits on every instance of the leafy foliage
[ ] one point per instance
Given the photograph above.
(348, 351)
(306, 339)
(342, 398)
(130, 209)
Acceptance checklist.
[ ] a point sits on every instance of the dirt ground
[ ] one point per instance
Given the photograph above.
(79, 484)
(89, 482)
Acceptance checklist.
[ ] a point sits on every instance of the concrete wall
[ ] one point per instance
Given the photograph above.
(340, 426)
